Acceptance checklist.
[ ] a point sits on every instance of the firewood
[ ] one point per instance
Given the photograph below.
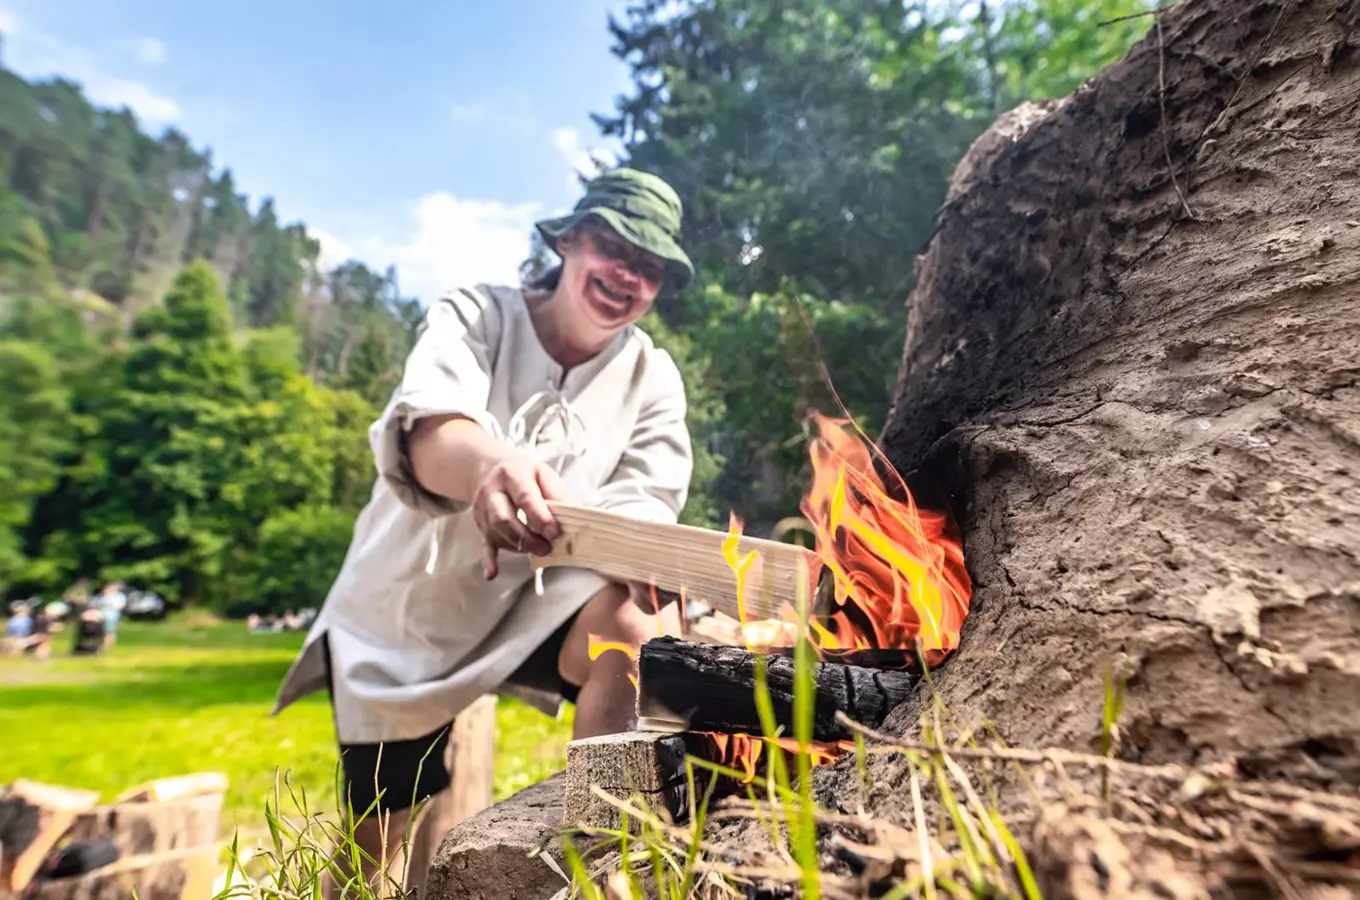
(186, 874)
(33, 818)
(683, 558)
(141, 827)
(648, 763)
(710, 687)
(192, 785)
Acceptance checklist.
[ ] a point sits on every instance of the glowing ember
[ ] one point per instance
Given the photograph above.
(743, 752)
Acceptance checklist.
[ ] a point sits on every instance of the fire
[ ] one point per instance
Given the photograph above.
(743, 752)
(898, 569)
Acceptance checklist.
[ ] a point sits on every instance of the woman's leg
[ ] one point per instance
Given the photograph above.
(607, 700)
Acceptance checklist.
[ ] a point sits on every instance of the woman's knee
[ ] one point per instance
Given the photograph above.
(613, 616)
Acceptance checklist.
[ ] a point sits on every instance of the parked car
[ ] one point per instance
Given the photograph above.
(145, 605)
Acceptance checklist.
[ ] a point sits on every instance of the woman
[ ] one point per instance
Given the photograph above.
(511, 398)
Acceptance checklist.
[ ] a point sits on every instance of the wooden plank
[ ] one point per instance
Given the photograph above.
(711, 687)
(683, 558)
(471, 758)
(33, 818)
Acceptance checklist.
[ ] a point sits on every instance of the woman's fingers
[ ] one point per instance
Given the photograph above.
(524, 491)
(503, 525)
(490, 563)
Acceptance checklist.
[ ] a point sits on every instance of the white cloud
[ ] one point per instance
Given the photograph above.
(152, 108)
(581, 159)
(150, 51)
(451, 241)
(334, 250)
(33, 53)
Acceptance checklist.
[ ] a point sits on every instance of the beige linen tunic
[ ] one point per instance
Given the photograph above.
(415, 631)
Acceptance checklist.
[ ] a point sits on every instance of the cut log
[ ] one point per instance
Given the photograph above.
(710, 687)
(177, 875)
(193, 785)
(684, 558)
(138, 828)
(33, 818)
(509, 849)
(637, 762)
(1131, 353)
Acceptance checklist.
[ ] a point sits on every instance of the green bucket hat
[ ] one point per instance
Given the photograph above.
(642, 208)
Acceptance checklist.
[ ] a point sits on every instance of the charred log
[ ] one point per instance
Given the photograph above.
(711, 687)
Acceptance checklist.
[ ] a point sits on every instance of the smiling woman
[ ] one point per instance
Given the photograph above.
(510, 399)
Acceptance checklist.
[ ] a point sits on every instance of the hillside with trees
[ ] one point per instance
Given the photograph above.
(185, 391)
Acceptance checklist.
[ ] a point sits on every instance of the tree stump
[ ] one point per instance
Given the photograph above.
(1131, 359)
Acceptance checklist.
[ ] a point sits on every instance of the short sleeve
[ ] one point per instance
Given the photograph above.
(447, 373)
(651, 480)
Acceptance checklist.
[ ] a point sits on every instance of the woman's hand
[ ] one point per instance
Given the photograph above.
(455, 457)
(516, 482)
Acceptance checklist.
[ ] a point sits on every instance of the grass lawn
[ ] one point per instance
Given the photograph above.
(194, 694)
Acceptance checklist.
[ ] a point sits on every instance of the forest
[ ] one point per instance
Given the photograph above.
(185, 391)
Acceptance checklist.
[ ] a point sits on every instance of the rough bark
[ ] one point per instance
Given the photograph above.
(711, 687)
(497, 853)
(1132, 356)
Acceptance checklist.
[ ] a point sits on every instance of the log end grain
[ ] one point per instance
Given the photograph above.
(648, 763)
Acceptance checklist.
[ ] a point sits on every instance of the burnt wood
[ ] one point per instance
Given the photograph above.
(710, 687)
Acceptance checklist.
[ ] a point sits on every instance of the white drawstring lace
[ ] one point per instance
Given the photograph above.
(555, 409)
(573, 445)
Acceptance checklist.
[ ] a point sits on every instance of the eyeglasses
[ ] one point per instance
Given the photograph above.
(645, 265)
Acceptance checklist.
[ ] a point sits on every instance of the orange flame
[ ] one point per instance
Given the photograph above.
(743, 752)
(898, 569)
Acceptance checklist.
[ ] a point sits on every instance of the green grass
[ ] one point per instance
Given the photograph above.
(194, 694)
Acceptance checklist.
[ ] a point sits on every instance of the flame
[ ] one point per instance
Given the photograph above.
(740, 564)
(743, 752)
(898, 569)
(599, 645)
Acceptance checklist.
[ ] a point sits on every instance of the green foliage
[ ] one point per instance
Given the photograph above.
(34, 407)
(812, 142)
(180, 383)
(299, 552)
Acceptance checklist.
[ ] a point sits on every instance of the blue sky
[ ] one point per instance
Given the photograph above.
(429, 135)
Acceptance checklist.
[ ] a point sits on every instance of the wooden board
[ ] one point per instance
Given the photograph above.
(635, 762)
(175, 786)
(683, 558)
